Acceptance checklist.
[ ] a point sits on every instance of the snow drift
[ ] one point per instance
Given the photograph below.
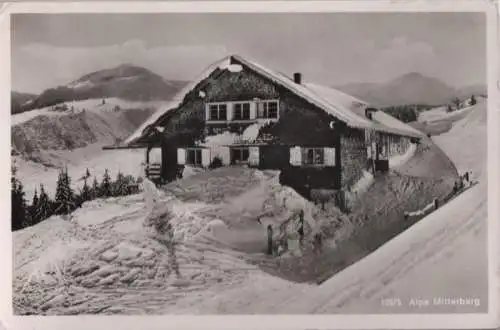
(101, 259)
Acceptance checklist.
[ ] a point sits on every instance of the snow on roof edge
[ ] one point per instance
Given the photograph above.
(177, 99)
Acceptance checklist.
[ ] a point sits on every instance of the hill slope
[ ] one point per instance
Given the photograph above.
(20, 101)
(410, 88)
(81, 124)
(126, 81)
(444, 255)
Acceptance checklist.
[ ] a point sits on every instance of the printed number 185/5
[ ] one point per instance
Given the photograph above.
(391, 302)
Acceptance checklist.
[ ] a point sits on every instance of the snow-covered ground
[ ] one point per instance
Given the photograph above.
(440, 113)
(94, 158)
(443, 255)
(95, 105)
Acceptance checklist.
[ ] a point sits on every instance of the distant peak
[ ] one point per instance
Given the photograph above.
(414, 74)
(127, 65)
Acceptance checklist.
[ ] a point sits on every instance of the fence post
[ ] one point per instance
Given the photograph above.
(270, 240)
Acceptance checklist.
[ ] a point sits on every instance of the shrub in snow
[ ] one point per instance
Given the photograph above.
(473, 100)
(216, 163)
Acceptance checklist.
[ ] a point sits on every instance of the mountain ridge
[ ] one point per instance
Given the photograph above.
(410, 88)
(126, 81)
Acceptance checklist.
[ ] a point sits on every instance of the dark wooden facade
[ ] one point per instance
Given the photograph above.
(300, 123)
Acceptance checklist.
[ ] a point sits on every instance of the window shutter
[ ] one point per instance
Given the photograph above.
(254, 156)
(229, 111)
(260, 109)
(207, 112)
(296, 156)
(329, 156)
(181, 156)
(205, 157)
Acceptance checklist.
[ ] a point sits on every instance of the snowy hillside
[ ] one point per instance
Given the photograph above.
(126, 82)
(39, 133)
(32, 174)
(107, 252)
(114, 267)
(93, 105)
(444, 255)
(441, 253)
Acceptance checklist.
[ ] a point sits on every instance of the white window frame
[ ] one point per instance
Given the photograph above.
(265, 105)
(197, 162)
(305, 158)
(241, 105)
(218, 105)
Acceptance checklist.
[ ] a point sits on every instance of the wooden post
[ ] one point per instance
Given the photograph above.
(270, 240)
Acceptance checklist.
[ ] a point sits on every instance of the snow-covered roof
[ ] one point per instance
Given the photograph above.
(177, 100)
(340, 105)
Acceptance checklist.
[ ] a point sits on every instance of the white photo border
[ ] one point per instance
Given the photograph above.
(354, 321)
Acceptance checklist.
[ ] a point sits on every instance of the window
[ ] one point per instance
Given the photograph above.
(218, 111)
(240, 155)
(193, 157)
(268, 110)
(314, 156)
(242, 111)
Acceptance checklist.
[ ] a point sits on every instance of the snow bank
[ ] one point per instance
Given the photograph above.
(97, 212)
(443, 255)
(32, 174)
(190, 171)
(466, 143)
(422, 212)
(94, 105)
(22, 117)
(223, 139)
(252, 132)
(187, 222)
(81, 84)
(64, 267)
(441, 114)
(363, 184)
(399, 160)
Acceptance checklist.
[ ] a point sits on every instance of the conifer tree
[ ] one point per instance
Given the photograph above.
(65, 199)
(85, 194)
(106, 185)
(43, 207)
(18, 203)
(23, 206)
(120, 185)
(94, 192)
(33, 208)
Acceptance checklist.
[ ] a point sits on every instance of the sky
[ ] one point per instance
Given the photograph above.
(334, 49)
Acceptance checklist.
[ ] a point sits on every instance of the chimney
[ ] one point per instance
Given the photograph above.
(368, 112)
(297, 78)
